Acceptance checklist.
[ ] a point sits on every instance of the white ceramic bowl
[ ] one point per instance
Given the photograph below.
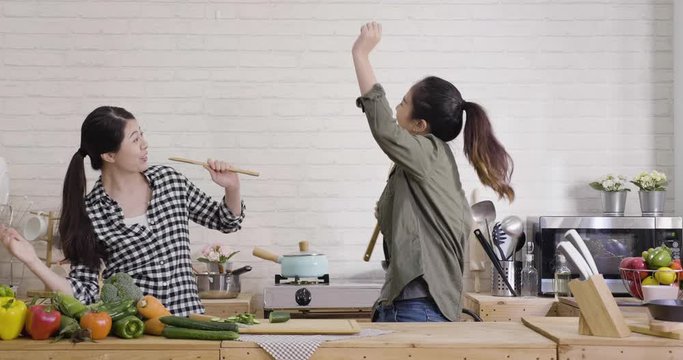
(657, 292)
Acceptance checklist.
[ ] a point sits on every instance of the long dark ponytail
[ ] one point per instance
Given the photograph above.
(101, 132)
(440, 103)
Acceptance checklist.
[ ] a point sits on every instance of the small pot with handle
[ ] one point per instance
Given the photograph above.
(304, 264)
(220, 286)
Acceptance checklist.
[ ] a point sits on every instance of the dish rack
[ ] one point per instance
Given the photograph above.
(16, 268)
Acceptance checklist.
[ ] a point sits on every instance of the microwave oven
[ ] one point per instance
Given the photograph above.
(609, 240)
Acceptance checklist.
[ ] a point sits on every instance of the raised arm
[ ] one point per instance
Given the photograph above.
(370, 34)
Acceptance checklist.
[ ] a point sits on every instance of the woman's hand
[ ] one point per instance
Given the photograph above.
(370, 34)
(221, 174)
(17, 245)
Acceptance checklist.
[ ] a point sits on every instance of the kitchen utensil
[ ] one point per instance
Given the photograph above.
(484, 212)
(501, 241)
(304, 264)
(201, 163)
(371, 244)
(570, 252)
(513, 275)
(492, 256)
(574, 237)
(514, 228)
(220, 286)
(521, 241)
(667, 310)
(512, 225)
(477, 256)
(599, 313)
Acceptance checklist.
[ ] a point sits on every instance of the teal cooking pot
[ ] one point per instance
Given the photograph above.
(304, 264)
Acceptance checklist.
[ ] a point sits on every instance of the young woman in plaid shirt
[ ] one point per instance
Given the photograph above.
(134, 220)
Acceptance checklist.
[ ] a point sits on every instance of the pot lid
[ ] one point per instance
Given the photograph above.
(303, 254)
(303, 250)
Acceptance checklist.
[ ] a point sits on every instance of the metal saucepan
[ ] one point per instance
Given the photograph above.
(304, 264)
(666, 310)
(220, 286)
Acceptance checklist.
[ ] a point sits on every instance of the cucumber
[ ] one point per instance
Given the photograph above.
(184, 322)
(278, 317)
(173, 332)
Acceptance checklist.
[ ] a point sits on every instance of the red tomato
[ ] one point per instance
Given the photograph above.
(99, 324)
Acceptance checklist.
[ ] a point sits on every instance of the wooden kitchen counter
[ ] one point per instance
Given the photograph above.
(564, 331)
(462, 340)
(482, 341)
(501, 308)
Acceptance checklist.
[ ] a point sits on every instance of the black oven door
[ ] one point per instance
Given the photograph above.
(609, 240)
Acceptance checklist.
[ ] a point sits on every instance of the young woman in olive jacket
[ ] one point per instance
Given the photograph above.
(423, 213)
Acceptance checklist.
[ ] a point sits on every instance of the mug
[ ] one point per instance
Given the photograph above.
(34, 227)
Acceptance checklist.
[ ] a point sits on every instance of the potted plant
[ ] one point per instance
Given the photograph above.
(216, 257)
(613, 191)
(652, 192)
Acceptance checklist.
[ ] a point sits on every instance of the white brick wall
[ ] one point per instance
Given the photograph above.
(575, 89)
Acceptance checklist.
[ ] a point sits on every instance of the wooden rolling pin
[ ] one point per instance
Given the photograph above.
(371, 244)
(195, 162)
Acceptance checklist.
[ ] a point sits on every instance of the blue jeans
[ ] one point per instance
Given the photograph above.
(411, 310)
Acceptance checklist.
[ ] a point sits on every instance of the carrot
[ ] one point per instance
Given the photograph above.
(150, 307)
(154, 327)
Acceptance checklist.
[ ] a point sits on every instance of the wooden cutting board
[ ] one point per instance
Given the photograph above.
(667, 329)
(304, 326)
(296, 326)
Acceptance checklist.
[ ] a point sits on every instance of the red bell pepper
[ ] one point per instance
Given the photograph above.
(42, 321)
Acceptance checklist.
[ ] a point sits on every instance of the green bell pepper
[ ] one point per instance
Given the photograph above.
(12, 317)
(130, 327)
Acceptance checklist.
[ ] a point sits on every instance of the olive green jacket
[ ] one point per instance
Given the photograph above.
(423, 213)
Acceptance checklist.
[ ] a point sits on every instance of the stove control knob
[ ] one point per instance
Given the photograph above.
(302, 297)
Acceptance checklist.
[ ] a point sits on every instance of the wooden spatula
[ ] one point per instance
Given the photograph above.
(201, 163)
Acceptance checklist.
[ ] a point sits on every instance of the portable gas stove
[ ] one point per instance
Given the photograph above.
(318, 298)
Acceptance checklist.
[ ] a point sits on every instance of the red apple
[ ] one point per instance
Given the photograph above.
(639, 264)
(625, 263)
(636, 290)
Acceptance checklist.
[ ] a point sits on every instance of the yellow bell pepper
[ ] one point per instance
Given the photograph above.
(12, 317)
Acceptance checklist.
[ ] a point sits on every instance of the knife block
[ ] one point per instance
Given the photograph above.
(599, 313)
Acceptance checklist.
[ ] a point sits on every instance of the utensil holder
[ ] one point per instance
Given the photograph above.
(513, 271)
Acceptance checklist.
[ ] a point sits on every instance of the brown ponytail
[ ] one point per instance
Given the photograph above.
(101, 132)
(493, 164)
(439, 103)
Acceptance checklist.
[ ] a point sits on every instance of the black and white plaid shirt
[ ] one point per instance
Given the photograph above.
(157, 257)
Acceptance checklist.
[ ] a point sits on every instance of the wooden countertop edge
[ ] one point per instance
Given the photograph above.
(364, 345)
(110, 343)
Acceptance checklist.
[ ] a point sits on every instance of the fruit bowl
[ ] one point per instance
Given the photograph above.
(659, 282)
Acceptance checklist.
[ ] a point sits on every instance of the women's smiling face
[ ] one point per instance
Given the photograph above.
(132, 154)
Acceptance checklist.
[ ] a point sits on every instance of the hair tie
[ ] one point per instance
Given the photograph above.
(82, 152)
